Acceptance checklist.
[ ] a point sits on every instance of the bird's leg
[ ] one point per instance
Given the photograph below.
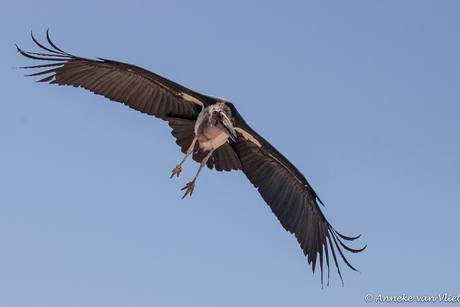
(178, 168)
(191, 185)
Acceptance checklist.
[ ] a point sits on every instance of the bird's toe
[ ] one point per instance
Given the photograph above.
(189, 186)
(176, 171)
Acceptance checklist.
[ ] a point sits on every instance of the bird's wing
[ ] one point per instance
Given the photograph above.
(290, 196)
(136, 87)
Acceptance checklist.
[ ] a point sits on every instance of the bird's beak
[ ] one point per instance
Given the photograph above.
(224, 124)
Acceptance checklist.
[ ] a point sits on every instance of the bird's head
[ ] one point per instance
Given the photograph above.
(221, 118)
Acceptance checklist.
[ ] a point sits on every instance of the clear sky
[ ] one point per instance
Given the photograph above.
(362, 96)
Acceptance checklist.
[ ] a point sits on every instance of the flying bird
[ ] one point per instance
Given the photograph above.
(211, 130)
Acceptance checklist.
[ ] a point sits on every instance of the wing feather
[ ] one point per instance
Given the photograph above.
(104, 82)
(290, 197)
(133, 86)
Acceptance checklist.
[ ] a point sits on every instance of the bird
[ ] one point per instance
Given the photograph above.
(211, 130)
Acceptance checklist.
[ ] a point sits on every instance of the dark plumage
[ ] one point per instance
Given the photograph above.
(205, 127)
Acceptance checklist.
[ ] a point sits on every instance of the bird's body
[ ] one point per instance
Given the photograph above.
(214, 133)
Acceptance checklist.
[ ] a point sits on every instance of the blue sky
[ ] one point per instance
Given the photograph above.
(362, 96)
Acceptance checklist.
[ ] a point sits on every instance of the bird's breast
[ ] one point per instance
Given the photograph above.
(210, 137)
(211, 131)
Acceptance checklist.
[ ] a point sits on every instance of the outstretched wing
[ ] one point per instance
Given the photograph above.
(290, 196)
(136, 87)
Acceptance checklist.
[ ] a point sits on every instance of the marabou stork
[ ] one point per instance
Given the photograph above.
(214, 133)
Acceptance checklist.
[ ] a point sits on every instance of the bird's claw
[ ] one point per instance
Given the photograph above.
(176, 171)
(189, 186)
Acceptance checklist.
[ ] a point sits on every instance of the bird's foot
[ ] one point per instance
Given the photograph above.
(189, 186)
(176, 171)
